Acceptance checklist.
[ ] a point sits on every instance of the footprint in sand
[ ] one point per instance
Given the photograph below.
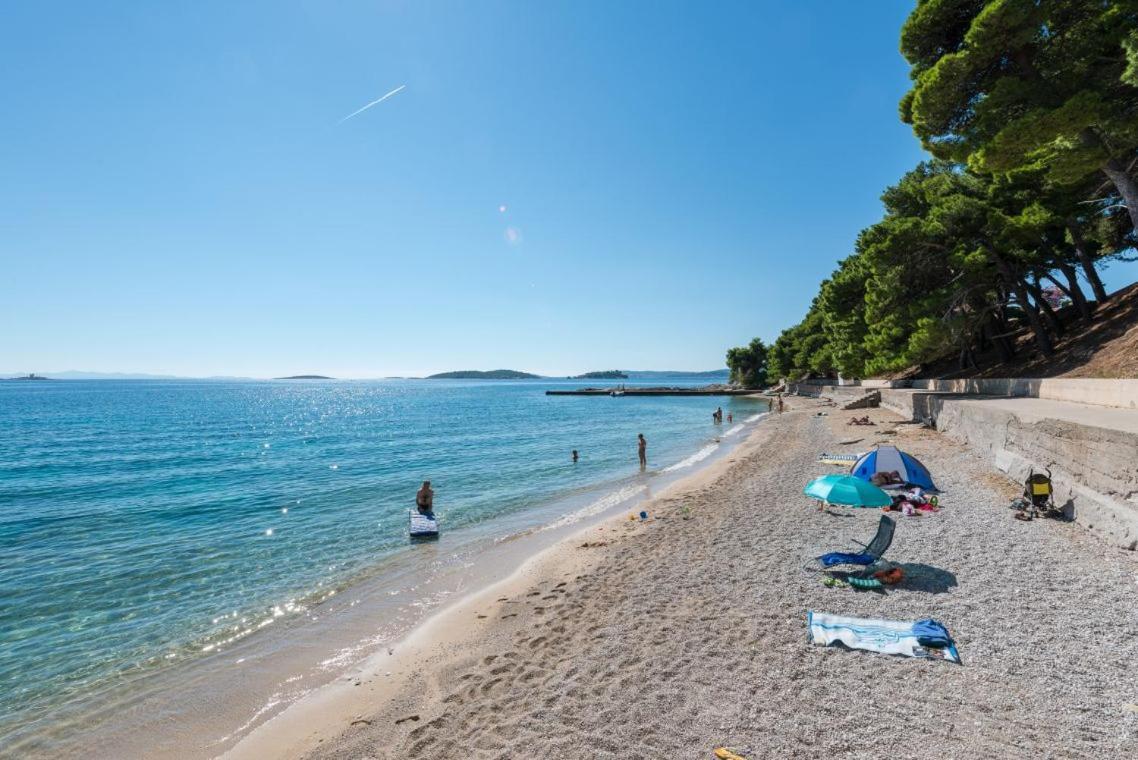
(412, 718)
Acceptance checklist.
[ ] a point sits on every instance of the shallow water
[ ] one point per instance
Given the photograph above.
(147, 524)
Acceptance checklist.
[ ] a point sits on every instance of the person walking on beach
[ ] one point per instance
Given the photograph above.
(780, 403)
(642, 445)
(425, 499)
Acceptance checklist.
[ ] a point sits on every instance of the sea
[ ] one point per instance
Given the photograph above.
(155, 536)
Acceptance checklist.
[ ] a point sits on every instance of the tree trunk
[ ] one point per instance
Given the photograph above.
(1042, 339)
(1073, 291)
(997, 340)
(1048, 312)
(1126, 186)
(1085, 260)
(999, 337)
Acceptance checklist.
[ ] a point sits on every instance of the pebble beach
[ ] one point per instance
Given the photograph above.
(673, 636)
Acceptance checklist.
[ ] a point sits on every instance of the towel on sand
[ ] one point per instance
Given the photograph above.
(839, 459)
(924, 638)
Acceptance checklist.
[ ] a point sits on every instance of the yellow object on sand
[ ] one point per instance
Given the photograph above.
(725, 754)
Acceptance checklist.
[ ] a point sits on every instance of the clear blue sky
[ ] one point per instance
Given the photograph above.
(179, 194)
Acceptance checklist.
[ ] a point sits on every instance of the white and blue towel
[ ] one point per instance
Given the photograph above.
(923, 638)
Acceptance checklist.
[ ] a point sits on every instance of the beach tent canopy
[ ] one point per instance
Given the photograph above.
(847, 491)
(891, 459)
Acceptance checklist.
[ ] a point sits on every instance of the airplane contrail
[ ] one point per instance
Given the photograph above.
(375, 102)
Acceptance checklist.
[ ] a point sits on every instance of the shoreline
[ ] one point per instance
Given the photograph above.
(443, 635)
(220, 695)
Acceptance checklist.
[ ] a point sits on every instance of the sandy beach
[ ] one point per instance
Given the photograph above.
(670, 637)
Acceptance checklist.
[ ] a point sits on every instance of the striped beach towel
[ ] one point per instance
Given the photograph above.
(923, 638)
(841, 459)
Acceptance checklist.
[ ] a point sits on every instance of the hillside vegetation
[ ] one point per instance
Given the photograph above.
(1030, 113)
(493, 374)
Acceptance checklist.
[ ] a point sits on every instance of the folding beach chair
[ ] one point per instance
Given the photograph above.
(870, 553)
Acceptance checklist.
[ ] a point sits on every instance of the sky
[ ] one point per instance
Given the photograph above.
(555, 187)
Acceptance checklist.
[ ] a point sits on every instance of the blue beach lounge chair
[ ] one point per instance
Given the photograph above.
(872, 551)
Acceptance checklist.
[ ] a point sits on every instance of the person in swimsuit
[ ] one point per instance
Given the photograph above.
(642, 446)
(574, 455)
(425, 499)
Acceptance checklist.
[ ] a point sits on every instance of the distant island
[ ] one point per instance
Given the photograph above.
(305, 377)
(494, 374)
(32, 376)
(608, 374)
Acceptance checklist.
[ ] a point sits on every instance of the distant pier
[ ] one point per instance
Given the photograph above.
(657, 392)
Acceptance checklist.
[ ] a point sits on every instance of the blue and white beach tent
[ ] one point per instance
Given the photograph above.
(891, 459)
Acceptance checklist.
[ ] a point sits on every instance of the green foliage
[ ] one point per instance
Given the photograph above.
(748, 364)
(1018, 84)
(1028, 106)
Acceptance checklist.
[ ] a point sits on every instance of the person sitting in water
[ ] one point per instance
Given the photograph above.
(425, 499)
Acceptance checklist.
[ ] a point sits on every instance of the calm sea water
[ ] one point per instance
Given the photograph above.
(143, 524)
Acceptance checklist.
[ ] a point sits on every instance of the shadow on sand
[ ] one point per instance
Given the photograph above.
(926, 578)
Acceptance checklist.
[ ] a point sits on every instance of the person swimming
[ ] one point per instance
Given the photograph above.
(425, 499)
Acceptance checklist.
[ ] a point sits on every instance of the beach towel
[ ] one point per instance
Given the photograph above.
(924, 638)
(839, 459)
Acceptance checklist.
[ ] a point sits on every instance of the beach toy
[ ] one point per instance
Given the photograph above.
(865, 583)
(725, 754)
(422, 526)
(890, 576)
(643, 515)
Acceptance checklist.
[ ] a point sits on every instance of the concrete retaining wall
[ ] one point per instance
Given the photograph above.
(1116, 393)
(1094, 470)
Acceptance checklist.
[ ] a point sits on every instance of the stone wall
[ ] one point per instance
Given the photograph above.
(1122, 393)
(1094, 470)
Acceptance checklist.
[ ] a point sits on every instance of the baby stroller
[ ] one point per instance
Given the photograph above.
(1038, 497)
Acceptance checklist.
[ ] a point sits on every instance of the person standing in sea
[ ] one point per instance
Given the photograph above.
(425, 499)
(642, 447)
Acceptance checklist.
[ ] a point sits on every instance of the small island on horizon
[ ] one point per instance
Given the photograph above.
(29, 376)
(494, 374)
(305, 377)
(608, 374)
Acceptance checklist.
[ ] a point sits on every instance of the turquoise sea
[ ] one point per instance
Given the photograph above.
(144, 524)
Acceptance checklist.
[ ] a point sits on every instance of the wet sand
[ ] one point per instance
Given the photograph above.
(667, 638)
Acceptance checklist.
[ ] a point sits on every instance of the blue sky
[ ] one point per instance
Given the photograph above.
(181, 196)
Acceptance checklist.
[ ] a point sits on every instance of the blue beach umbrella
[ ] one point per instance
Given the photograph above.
(847, 491)
(891, 459)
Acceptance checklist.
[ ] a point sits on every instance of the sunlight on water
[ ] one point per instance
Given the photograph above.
(134, 513)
